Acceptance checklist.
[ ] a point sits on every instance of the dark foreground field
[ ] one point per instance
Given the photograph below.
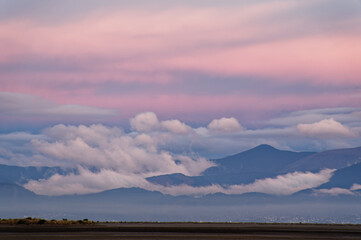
(180, 231)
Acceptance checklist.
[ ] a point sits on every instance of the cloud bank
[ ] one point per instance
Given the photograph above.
(109, 157)
(110, 148)
(147, 133)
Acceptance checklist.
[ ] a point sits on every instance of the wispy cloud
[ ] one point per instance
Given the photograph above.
(90, 182)
(94, 46)
(281, 185)
(16, 105)
(334, 191)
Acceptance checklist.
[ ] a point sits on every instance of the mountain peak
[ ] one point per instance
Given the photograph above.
(261, 151)
(263, 147)
(263, 158)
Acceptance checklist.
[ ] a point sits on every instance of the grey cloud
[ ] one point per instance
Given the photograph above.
(25, 105)
(66, 10)
(346, 115)
(20, 136)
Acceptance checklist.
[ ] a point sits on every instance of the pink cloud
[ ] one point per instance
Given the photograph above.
(323, 60)
(191, 107)
(146, 46)
(120, 43)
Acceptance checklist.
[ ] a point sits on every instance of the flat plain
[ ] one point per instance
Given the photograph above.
(138, 231)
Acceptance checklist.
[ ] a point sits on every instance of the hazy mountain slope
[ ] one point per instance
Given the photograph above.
(173, 179)
(332, 159)
(15, 174)
(11, 193)
(245, 167)
(345, 177)
(121, 195)
(220, 179)
(263, 158)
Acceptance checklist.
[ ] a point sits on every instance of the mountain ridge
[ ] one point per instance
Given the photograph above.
(261, 162)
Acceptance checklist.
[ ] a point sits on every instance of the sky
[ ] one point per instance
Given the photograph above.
(191, 79)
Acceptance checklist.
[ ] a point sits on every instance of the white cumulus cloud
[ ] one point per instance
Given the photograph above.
(325, 128)
(225, 125)
(104, 147)
(145, 122)
(176, 126)
(149, 122)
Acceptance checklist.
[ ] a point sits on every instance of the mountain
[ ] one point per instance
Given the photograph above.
(21, 175)
(263, 158)
(260, 162)
(206, 180)
(173, 180)
(134, 204)
(12, 193)
(345, 177)
(120, 195)
(332, 159)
